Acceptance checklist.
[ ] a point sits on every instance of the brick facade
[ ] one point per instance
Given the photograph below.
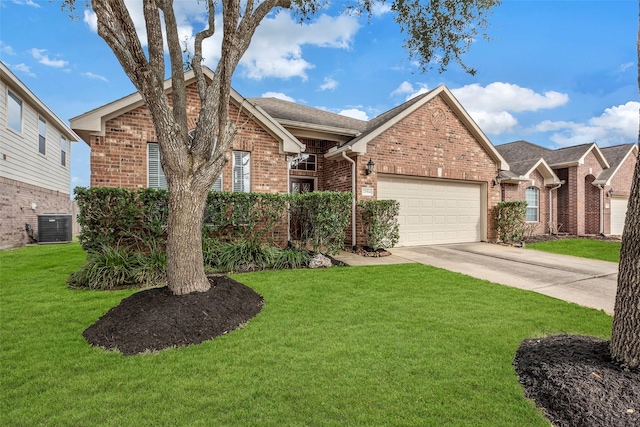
(546, 196)
(581, 208)
(119, 158)
(16, 200)
(418, 146)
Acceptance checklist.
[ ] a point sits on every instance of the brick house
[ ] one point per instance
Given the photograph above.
(428, 154)
(585, 189)
(35, 163)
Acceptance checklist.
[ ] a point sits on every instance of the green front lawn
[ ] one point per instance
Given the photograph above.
(386, 345)
(584, 248)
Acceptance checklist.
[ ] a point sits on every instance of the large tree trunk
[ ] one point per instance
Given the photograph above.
(625, 335)
(185, 269)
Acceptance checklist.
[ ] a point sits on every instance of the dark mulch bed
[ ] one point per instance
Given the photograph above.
(155, 319)
(573, 379)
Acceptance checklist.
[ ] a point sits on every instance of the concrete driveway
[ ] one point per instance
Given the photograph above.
(586, 282)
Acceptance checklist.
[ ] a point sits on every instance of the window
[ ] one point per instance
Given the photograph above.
(14, 115)
(242, 171)
(155, 175)
(63, 151)
(532, 197)
(42, 135)
(306, 162)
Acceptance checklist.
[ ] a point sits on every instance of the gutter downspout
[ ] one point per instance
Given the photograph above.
(601, 187)
(551, 206)
(353, 197)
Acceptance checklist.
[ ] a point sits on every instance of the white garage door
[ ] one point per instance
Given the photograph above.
(618, 212)
(434, 212)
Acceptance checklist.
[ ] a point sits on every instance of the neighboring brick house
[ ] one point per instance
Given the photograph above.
(428, 154)
(35, 162)
(582, 204)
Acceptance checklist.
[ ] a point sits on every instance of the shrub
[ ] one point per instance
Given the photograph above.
(246, 255)
(110, 267)
(292, 257)
(380, 222)
(153, 267)
(510, 220)
(211, 250)
(243, 216)
(121, 217)
(321, 218)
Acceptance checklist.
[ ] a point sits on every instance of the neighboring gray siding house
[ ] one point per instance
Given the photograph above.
(35, 160)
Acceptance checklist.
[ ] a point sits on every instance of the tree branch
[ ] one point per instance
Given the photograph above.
(178, 94)
(154, 39)
(196, 62)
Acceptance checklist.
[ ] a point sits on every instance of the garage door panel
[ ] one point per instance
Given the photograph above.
(434, 212)
(618, 214)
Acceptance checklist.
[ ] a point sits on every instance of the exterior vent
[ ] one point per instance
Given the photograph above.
(54, 228)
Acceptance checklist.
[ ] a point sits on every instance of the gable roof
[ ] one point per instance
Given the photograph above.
(310, 122)
(616, 156)
(519, 151)
(386, 120)
(93, 122)
(522, 170)
(574, 156)
(16, 85)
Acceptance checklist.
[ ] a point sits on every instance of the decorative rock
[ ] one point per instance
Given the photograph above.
(319, 261)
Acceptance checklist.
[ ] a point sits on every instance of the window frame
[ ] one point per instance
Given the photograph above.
(42, 136)
(303, 164)
(531, 190)
(63, 151)
(241, 185)
(18, 101)
(161, 177)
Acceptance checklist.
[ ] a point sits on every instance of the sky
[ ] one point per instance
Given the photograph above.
(555, 73)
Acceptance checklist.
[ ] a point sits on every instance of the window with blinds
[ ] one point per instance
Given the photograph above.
(242, 171)
(532, 195)
(155, 175)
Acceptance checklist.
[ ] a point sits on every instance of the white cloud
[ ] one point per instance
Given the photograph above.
(626, 66)
(409, 90)
(91, 20)
(25, 69)
(616, 125)
(501, 96)
(329, 84)
(276, 48)
(278, 95)
(39, 55)
(95, 76)
(379, 9)
(26, 3)
(354, 113)
(6, 49)
(492, 106)
(404, 88)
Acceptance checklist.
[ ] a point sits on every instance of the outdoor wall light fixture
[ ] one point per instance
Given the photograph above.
(611, 192)
(497, 180)
(371, 167)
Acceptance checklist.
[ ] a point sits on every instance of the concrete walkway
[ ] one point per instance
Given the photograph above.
(583, 281)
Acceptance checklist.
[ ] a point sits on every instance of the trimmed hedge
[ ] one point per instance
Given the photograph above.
(510, 220)
(319, 219)
(380, 222)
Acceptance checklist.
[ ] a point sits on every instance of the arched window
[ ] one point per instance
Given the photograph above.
(532, 195)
